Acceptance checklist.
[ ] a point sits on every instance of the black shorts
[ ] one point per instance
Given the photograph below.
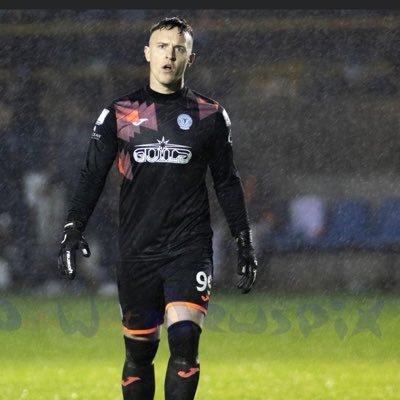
(147, 288)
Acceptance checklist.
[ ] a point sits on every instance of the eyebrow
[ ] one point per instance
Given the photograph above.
(178, 45)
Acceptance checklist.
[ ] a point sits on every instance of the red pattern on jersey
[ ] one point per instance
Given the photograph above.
(125, 165)
(132, 116)
(205, 108)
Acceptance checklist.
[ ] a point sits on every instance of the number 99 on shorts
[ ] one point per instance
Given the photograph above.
(204, 282)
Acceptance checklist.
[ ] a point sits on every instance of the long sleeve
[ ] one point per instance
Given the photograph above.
(100, 156)
(227, 182)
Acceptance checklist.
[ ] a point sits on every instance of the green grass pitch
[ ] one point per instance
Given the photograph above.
(255, 347)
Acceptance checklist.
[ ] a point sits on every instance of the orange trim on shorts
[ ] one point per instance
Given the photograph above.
(140, 331)
(186, 304)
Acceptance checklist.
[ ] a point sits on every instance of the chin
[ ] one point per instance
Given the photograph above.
(171, 81)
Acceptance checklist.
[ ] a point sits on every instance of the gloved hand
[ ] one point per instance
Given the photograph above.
(72, 241)
(247, 262)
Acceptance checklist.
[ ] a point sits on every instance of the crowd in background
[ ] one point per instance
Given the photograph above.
(294, 107)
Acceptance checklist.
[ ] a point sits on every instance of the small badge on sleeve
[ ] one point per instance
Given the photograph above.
(102, 116)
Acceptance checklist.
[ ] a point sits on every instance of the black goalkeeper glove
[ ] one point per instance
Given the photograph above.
(72, 241)
(247, 262)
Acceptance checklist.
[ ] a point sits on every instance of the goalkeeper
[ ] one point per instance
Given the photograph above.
(164, 136)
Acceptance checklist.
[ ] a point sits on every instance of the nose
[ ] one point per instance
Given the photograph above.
(171, 54)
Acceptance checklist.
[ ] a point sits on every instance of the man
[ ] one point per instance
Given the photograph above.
(165, 136)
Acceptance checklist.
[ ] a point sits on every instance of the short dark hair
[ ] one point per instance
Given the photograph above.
(171, 23)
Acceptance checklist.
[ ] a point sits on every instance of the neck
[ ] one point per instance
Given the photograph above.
(166, 89)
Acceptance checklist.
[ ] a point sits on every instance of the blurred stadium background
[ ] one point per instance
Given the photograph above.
(314, 100)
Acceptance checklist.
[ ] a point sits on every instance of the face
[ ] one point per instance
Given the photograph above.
(169, 53)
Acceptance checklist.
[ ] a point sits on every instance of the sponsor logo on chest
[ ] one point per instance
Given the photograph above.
(162, 152)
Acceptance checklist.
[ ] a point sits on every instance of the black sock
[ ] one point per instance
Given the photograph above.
(138, 373)
(183, 370)
(181, 380)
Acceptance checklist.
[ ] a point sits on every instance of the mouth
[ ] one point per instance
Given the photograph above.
(168, 68)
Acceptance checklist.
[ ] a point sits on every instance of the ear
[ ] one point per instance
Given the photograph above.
(147, 53)
(192, 57)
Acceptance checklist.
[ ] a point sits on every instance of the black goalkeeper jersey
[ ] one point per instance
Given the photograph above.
(163, 145)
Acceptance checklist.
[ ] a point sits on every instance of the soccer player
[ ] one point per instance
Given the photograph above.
(165, 136)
